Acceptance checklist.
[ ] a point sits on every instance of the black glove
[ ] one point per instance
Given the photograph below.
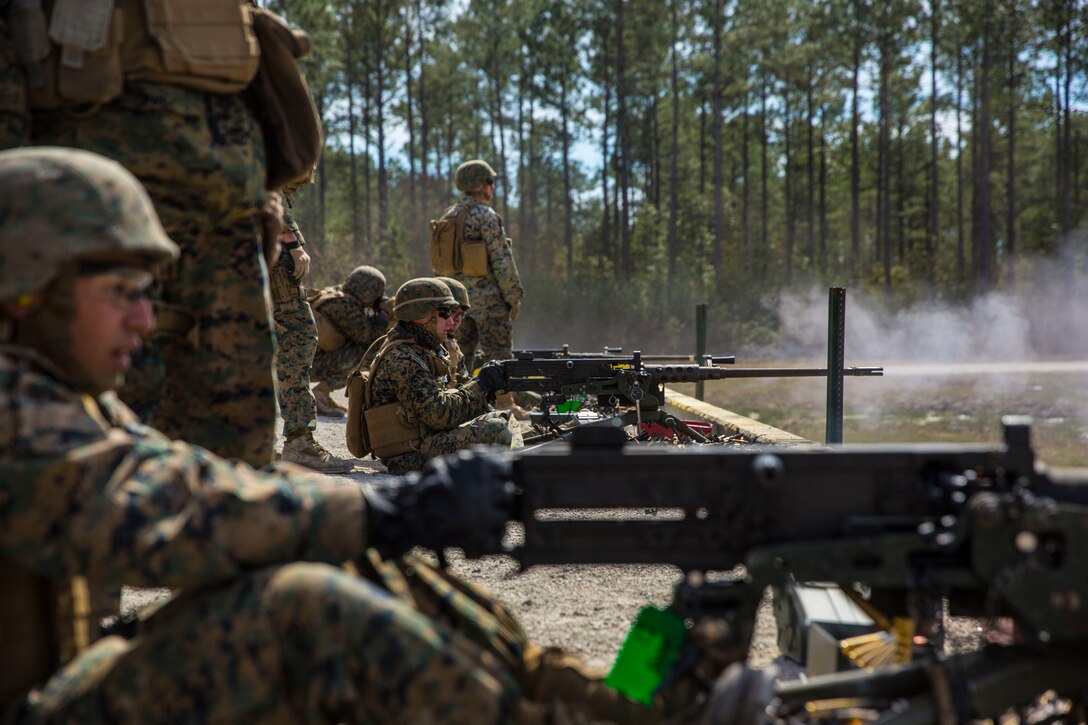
(491, 377)
(461, 500)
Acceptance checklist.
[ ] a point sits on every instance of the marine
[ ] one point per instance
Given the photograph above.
(351, 316)
(458, 368)
(490, 274)
(296, 343)
(270, 620)
(428, 413)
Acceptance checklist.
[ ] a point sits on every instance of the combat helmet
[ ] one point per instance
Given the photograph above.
(471, 174)
(460, 292)
(366, 284)
(70, 204)
(417, 297)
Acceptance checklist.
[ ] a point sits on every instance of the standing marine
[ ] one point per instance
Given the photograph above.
(469, 243)
(159, 87)
(296, 343)
(350, 317)
(415, 410)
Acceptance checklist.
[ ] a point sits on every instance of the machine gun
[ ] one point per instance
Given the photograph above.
(981, 527)
(626, 382)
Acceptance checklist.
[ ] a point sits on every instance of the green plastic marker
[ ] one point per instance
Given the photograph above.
(570, 406)
(648, 653)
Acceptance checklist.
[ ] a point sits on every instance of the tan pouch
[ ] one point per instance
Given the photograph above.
(283, 286)
(329, 336)
(444, 248)
(391, 431)
(82, 78)
(474, 259)
(357, 438)
(207, 44)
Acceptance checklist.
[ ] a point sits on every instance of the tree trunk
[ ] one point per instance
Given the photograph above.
(810, 160)
(499, 125)
(568, 199)
(415, 218)
(823, 191)
(982, 206)
(855, 148)
(961, 262)
(1010, 184)
(1067, 127)
(716, 133)
(674, 154)
(424, 131)
(745, 162)
(622, 143)
(934, 145)
(764, 169)
(787, 200)
(379, 110)
(884, 159)
(606, 228)
(358, 240)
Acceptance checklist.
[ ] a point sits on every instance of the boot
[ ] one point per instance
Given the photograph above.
(325, 404)
(305, 451)
(506, 402)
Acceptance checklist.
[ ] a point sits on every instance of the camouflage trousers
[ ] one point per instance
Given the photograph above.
(496, 428)
(201, 157)
(296, 342)
(334, 366)
(486, 332)
(312, 643)
(299, 643)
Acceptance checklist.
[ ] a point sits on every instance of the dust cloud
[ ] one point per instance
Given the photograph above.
(1044, 317)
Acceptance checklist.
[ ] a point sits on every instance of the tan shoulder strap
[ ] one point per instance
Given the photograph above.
(368, 398)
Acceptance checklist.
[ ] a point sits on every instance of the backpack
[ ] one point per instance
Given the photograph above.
(385, 431)
(329, 336)
(450, 253)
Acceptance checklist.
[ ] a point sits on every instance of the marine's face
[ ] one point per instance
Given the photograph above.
(444, 318)
(111, 316)
(458, 317)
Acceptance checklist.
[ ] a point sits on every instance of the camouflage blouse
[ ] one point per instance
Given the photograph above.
(85, 489)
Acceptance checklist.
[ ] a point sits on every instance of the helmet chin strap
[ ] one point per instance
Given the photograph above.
(45, 329)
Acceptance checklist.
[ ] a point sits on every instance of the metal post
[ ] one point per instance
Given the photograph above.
(700, 344)
(836, 353)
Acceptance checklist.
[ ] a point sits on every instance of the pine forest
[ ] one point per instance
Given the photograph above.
(657, 154)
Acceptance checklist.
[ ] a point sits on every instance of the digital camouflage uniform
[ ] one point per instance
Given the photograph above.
(296, 341)
(452, 417)
(267, 627)
(360, 324)
(253, 637)
(486, 330)
(201, 157)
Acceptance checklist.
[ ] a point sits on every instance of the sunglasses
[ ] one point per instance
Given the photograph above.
(491, 180)
(444, 312)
